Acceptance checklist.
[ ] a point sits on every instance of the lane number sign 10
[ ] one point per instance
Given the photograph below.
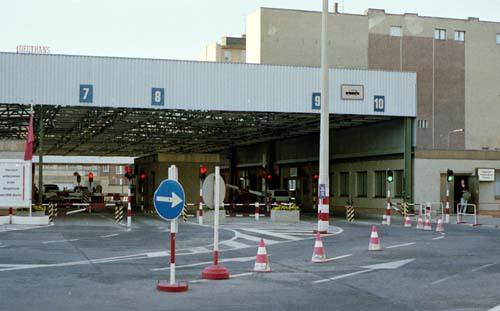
(378, 103)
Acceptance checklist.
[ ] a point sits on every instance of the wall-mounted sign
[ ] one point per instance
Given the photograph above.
(316, 101)
(33, 49)
(352, 92)
(486, 174)
(379, 103)
(157, 96)
(86, 93)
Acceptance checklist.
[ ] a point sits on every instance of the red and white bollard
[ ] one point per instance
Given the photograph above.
(216, 271)
(388, 209)
(129, 207)
(173, 285)
(447, 206)
(257, 211)
(200, 209)
(10, 215)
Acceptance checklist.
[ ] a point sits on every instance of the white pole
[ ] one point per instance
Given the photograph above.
(388, 212)
(216, 216)
(324, 148)
(172, 175)
(447, 215)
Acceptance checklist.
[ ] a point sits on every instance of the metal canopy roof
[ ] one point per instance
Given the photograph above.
(135, 132)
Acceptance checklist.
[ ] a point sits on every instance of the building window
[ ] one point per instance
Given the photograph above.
(292, 184)
(362, 180)
(344, 184)
(395, 31)
(119, 169)
(105, 168)
(498, 38)
(380, 184)
(497, 183)
(422, 124)
(460, 36)
(228, 56)
(440, 34)
(398, 183)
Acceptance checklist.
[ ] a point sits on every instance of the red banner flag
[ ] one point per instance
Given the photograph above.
(30, 138)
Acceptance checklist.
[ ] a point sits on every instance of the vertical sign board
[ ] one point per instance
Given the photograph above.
(86, 93)
(157, 96)
(379, 103)
(15, 183)
(316, 101)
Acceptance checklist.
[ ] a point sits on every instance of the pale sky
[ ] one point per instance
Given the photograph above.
(174, 29)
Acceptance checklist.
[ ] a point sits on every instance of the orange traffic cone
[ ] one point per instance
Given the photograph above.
(420, 222)
(408, 222)
(374, 241)
(261, 261)
(440, 226)
(319, 252)
(427, 226)
(384, 220)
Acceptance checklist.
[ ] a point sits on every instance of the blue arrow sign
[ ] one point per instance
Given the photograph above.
(169, 199)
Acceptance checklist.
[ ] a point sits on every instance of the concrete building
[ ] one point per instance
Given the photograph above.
(458, 86)
(230, 50)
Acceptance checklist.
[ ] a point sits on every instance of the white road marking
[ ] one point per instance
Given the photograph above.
(109, 235)
(382, 266)
(274, 234)
(59, 241)
(199, 249)
(438, 238)
(482, 267)
(234, 244)
(497, 308)
(444, 279)
(2, 246)
(238, 259)
(338, 257)
(253, 238)
(232, 276)
(401, 245)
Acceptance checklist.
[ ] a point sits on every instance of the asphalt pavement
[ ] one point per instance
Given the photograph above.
(87, 261)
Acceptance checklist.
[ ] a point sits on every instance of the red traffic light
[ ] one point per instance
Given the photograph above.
(269, 176)
(143, 176)
(91, 175)
(128, 170)
(203, 169)
(316, 176)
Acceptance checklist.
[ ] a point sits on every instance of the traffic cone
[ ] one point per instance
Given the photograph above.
(420, 222)
(427, 226)
(440, 226)
(261, 261)
(384, 220)
(319, 252)
(408, 222)
(374, 241)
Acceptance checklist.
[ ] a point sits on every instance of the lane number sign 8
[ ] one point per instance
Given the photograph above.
(86, 93)
(157, 96)
(378, 103)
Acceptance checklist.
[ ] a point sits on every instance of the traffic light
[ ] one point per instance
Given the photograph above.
(269, 177)
(449, 175)
(316, 177)
(91, 177)
(390, 176)
(128, 172)
(203, 172)
(142, 182)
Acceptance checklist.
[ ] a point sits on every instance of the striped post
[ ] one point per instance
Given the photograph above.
(350, 213)
(257, 211)
(129, 206)
(51, 213)
(10, 215)
(388, 210)
(447, 206)
(55, 210)
(200, 209)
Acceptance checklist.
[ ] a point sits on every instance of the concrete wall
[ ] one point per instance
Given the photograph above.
(12, 149)
(254, 37)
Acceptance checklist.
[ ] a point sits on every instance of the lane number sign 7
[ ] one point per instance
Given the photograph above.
(86, 93)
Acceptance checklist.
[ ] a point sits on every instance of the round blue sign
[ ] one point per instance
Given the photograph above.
(169, 199)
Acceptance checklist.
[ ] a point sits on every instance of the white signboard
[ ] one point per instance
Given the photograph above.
(486, 174)
(15, 183)
(352, 92)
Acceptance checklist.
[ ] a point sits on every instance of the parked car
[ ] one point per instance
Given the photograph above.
(279, 196)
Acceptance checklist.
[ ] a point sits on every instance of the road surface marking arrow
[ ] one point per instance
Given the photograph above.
(174, 199)
(387, 265)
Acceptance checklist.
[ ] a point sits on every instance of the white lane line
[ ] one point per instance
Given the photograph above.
(2, 246)
(238, 259)
(274, 234)
(497, 308)
(232, 276)
(253, 238)
(444, 279)
(234, 244)
(338, 257)
(199, 249)
(60, 241)
(401, 245)
(342, 276)
(438, 238)
(482, 267)
(109, 235)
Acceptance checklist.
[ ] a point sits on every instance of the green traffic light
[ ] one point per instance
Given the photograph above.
(450, 178)
(389, 178)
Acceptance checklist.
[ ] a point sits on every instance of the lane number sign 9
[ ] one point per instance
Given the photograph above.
(316, 101)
